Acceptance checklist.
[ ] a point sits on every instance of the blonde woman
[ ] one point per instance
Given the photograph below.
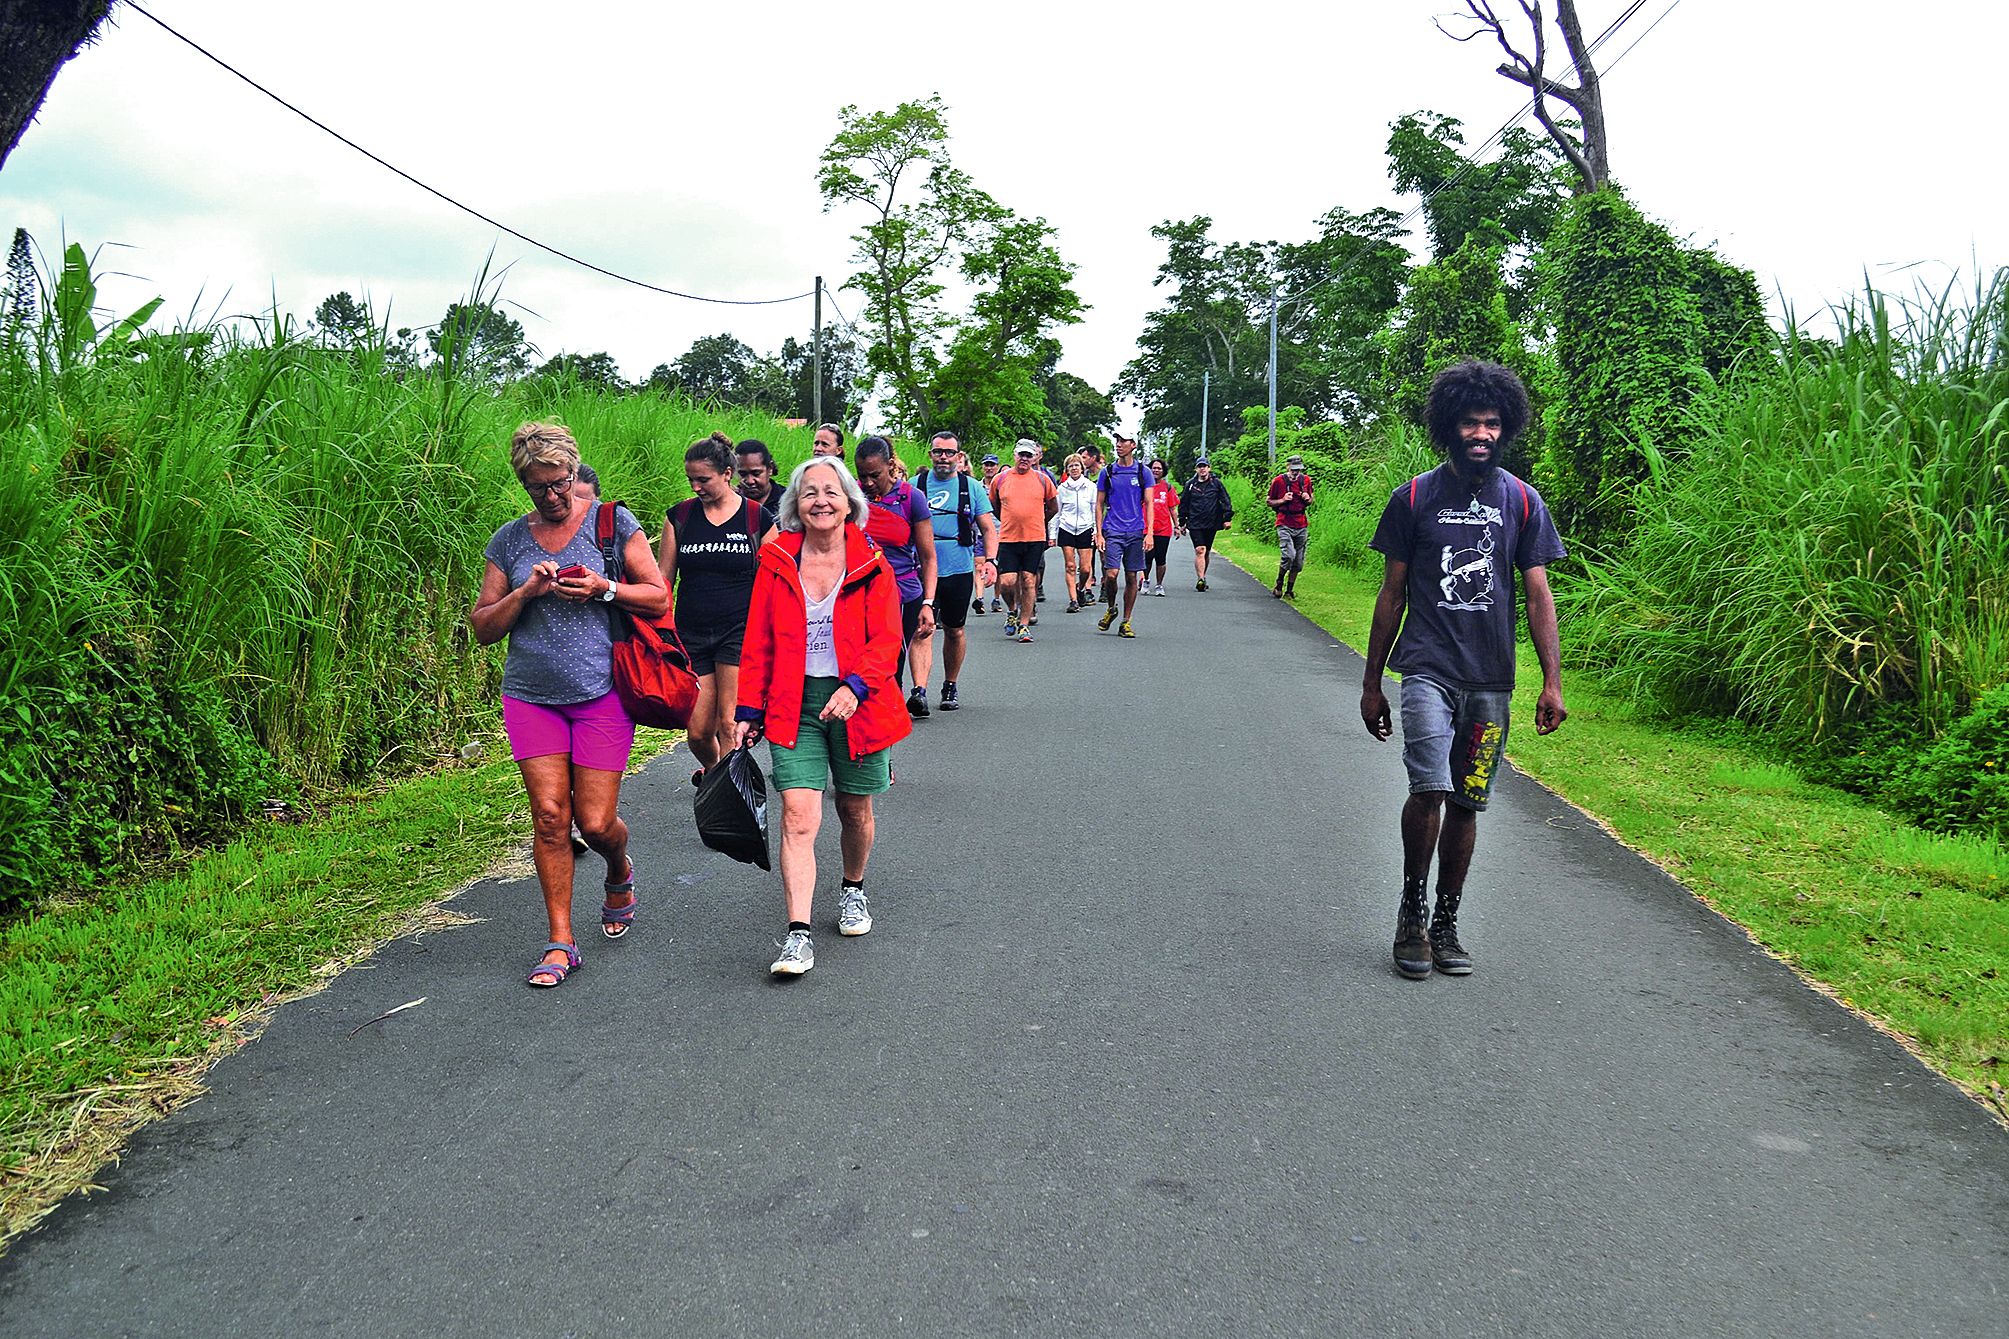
(546, 590)
(1076, 532)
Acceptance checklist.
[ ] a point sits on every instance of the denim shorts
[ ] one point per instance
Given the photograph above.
(1453, 739)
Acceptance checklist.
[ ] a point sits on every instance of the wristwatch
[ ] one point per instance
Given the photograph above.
(607, 596)
(927, 604)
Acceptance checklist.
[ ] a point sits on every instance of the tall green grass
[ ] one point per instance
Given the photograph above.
(1837, 544)
(236, 568)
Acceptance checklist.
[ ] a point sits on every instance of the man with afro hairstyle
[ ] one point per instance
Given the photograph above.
(1452, 540)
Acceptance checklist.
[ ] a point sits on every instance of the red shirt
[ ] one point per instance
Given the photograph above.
(1295, 497)
(1164, 501)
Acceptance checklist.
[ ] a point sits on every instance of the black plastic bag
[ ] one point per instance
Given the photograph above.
(731, 807)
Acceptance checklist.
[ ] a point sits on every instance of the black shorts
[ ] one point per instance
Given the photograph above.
(1161, 547)
(712, 647)
(1022, 555)
(1202, 539)
(1077, 539)
(952, 600)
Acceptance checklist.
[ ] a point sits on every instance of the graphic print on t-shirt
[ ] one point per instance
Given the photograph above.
(1468, 570)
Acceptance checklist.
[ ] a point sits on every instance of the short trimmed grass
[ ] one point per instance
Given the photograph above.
(112, 1007)
(1909, 927)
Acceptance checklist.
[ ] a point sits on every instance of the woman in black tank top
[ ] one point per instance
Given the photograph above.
(707, 556)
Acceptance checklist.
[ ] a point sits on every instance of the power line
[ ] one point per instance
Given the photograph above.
(465, 209)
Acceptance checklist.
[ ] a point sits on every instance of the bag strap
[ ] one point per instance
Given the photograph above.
(610, 552)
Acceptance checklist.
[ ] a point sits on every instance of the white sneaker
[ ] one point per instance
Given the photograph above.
(798, 955)
(854, 914)
(1158, 589)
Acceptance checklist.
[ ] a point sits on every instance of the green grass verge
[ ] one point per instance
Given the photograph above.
(1908, 927)
(112, 1006)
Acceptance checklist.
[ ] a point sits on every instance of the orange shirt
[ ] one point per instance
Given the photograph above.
(1020, 502)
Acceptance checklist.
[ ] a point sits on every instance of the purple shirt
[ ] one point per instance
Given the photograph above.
(891, 521)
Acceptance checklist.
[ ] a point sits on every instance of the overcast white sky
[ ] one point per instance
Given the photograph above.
(678, 143)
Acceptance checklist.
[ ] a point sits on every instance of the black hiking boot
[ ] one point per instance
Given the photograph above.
(1412, 943)
(1446, 952)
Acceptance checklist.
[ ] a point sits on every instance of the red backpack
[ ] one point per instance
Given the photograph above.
(652, 670)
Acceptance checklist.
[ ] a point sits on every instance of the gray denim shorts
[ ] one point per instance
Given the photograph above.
(1453, 739)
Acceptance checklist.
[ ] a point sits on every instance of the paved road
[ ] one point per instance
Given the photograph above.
(1123, 1056)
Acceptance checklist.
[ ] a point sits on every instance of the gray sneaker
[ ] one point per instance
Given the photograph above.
(798, 955)
(854, 914)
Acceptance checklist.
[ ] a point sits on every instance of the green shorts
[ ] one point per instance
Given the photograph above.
(823, 750)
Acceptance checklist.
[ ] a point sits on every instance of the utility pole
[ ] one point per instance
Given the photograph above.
(1273, 383)
(1205, 373)
(816, 360)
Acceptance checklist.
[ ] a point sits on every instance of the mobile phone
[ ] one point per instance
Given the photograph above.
(572, 573)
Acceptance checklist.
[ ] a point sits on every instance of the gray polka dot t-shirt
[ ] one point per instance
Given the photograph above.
(559, 652)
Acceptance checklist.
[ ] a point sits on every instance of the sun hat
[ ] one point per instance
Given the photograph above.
(1026, 447)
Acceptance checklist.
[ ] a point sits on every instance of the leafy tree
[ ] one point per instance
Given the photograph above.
(39, 39)
(989, 387)
(586, 369)
(1514, 197)
(719, 368)
(896, 165)
(843, 368)
(1077, 414)
(17, 299)
(475, 339)
(344, 323)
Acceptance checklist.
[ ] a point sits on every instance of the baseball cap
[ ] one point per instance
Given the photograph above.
(1293, 459)
(1026, 447)
(991, 458)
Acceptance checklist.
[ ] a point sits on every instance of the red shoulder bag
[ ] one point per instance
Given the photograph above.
(652, 670)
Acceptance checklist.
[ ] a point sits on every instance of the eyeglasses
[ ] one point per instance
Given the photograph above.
(555, 486)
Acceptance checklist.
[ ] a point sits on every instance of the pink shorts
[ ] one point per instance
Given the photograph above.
(598, 734)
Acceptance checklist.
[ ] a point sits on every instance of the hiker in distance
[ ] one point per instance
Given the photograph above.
(1205, 510)
(1452, 540)
(1290, 499)
(966, 542)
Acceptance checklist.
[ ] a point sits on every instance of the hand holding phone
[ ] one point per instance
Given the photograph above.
(571, 573)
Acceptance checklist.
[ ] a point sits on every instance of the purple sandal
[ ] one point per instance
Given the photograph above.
(557, 971)
(616, 921)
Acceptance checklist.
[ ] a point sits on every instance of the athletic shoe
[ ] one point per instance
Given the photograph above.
(1040, 598)
(1276, 593)
(1158, 589)
(1103, 623)
(1291, 594)
(1125, 630)
(1025, 633)
(949, 699)
(997, 605)
(1011, 629)
(1201, 584)
(798, 955)
(1073, 606)
(854, 915)
(977, 607)
(917, 704)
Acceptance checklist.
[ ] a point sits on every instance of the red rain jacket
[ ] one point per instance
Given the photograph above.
(867, 631)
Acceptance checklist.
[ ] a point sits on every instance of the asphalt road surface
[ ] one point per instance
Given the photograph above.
(1123, 1055)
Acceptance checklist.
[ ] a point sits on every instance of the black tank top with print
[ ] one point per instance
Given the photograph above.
(714, 567)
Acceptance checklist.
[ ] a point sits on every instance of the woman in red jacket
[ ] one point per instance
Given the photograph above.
(823, 638)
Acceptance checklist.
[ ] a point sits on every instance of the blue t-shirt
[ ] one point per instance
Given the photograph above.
(1128, 488)
(1463, 547)
(944, 498)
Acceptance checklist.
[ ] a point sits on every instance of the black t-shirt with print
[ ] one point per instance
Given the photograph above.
(1463, 547)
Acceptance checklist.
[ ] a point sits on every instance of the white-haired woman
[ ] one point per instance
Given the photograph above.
(823, 638)
(546, 590)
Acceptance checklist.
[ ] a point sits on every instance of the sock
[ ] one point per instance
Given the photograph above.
(856, 884)
(800, 925)
(947, 684)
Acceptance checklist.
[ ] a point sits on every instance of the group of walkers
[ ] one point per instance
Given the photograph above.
(808, 609)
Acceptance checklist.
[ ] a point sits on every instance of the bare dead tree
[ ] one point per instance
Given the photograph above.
(1590, 155)
(37, 38)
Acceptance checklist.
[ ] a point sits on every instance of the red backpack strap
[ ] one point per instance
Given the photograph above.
(1524, 502)
(749, 516)
(1412, 491)
(603, 530)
